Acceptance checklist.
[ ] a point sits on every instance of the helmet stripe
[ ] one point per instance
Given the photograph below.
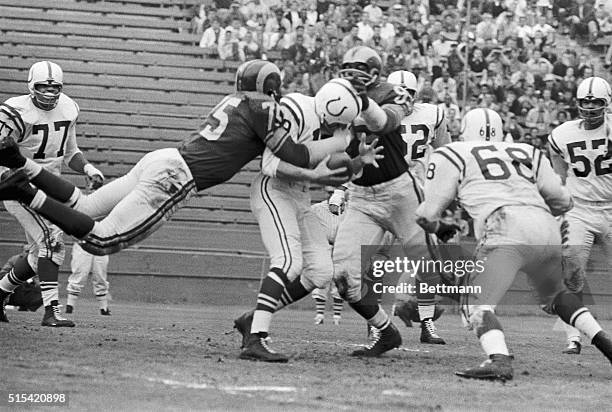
(488, 125)
(591, 86)
(352, 93)
(50, 70)
(263, 73)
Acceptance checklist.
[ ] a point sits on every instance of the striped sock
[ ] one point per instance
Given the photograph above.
(49, 291)
(20, 272)
(292, 293)
(426, 303)
(380, 320)
(267, 300)
(320, 305)
(338, 303)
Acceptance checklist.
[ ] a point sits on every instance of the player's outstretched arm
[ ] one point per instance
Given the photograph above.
(79, 164)
(274, 167)
(368, 155)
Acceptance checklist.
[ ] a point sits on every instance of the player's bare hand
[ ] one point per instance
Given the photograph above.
(96, 182)
(323, 175)
(370, 153)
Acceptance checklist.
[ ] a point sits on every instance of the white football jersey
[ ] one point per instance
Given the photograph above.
(299, 109)
(485, 176)
(425, 125)
(47, 137)
(588, 154)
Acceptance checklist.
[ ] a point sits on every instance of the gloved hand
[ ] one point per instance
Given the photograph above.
(94, 175)
(336, 202)
(362, 92)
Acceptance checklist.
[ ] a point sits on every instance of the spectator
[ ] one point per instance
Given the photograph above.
(210, 39)
(236, 14)
(365, 31)
(396, 59)
(451, 110)
(198, 17)
(492, 7)
(237, 28)
(445, 86)
(506, 26)
(297, 53)
(279, 40)
(229, 49)
(254, 8)
(512, 127)
(546, 29)
(349, 40)
(579, 14)
(522, 74)
(539, 118)
(293, 16)
(524, 30)
(486, 29)
(250, 48)
(277, 21)
(312, 15)
(387, 30)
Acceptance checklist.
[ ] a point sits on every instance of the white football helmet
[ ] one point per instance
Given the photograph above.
(47, 73)
(337, 103)
(482, 125)
(405, 79)
(594, 96)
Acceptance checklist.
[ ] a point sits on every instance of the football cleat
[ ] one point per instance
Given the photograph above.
(257, 349)
(16, 187)
(10, 156)
(105, 312)
(387, 339)
(603, 342)
(319, 319)
(408, 312)
(54, 318)
(429, 333)
(69, 309)
(3, 297)
(497, 368)
(573, 348)
(243, 325)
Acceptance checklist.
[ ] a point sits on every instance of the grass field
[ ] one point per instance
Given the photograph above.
(179, 357)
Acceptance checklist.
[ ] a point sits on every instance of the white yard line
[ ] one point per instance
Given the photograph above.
(229, 389)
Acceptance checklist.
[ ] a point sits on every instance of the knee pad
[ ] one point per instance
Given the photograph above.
(74, 288)
(295, 269)
(340, 279)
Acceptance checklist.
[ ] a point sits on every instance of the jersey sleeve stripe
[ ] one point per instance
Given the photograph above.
(439, 118)
(457, 155)
(539, 155)
(450, 159)
(553, 144)
(14, 115)
(300, 120)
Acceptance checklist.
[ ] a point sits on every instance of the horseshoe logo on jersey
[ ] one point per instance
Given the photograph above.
(332, 113)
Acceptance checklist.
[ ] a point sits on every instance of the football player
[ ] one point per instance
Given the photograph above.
(581, 154)
(509, 189)
(43, 124)
(280, 199)
(135, 205)
(423, 129)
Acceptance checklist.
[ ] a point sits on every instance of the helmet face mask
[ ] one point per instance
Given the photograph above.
(259, 76)
(592, 110)
(361, 63)
(45, 82)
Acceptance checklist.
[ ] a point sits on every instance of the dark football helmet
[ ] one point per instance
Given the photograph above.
(259, 76)
(363, 63)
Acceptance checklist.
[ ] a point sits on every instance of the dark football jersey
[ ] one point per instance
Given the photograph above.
(234, 133)
(394, 151)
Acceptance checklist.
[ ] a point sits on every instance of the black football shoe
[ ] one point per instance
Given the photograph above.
(257, 349)
(243, 325)
(10, 156)
(16, 186)
(105, 312)
(389, 338)
(603, 342)
(53, 317)
(497, 368)
(429, 333)
(574, 347)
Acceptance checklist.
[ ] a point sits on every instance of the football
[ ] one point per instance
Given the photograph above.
(338, 160)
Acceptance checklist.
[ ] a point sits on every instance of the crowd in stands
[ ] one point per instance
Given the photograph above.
(509, 48)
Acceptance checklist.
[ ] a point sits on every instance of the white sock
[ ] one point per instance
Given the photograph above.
(261, 321)
(39, 199)
(102, 301)
(426, 311)
(380, 320)
(31, 168)
(50, 292)
(493, 341)
(9, 282)
(572, 334)
(586, 323)
(72, 298)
